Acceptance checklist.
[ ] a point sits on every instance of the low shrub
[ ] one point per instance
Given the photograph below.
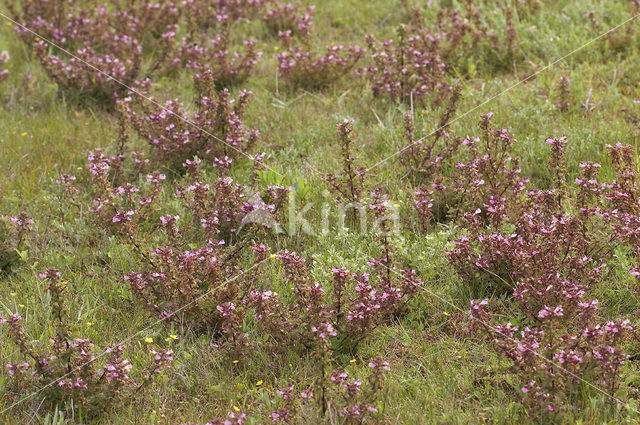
(410, 69)
(215, 130)
(67, 370)
(354, 401)
(549, 250)
(108, 46)
(229, 67)
(341, 315)
(287, 17)
(300, 66)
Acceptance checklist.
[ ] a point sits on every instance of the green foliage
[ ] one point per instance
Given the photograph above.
(440, 373)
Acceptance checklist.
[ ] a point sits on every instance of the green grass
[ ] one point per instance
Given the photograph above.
(438, 375)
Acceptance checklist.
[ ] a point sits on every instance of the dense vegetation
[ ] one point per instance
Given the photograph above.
(367, 211)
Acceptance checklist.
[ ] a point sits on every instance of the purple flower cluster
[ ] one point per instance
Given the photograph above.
(4, 73)
(14, 232)
(456, 178)
(119, 208)
(489, 177)
(82, 382)
(409, 68)
(204, 14)
(525, 241)
(300, 66)
(285, 17)
(196, 270)
(356, 304)
(229, 68)
(348, 185)
(355, 401)
(413, 67)
(424, 158)
(617, 201)
(206, 283)
(111, 41)
(225, 209)
(563, 350)
(215, 130)
(564, 93)
(193, 281)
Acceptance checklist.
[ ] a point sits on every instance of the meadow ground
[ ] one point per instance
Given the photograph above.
(442, 370)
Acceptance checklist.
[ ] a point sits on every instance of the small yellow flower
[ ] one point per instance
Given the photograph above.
(260, 382)
(21, 305)
(235, 361)
(236, 408)
(13, 294)
(24, 134)
(37, 38)
(273, 255)
(89, 324)
(64, 282)
(276, 48)
(445, 313)
(79, 168)
(352, 361)
(171, 337)
(148, 340)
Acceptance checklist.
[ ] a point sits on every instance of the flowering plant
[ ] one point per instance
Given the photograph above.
(13, 236)
(409, 69)
(229, 68)
(195, 273)
(300, 66)
(559, 351)
(564, 93)
(287, 17)
(4, 73)
(345, 315)
(413, 67)
(118, 206)
(68, 370)
(356, 402)
(348, 185)
(205, 14)
(424, 158)
(215, 130)
(108, 46)
(618, 41)
(469, 33)
(526, 241)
